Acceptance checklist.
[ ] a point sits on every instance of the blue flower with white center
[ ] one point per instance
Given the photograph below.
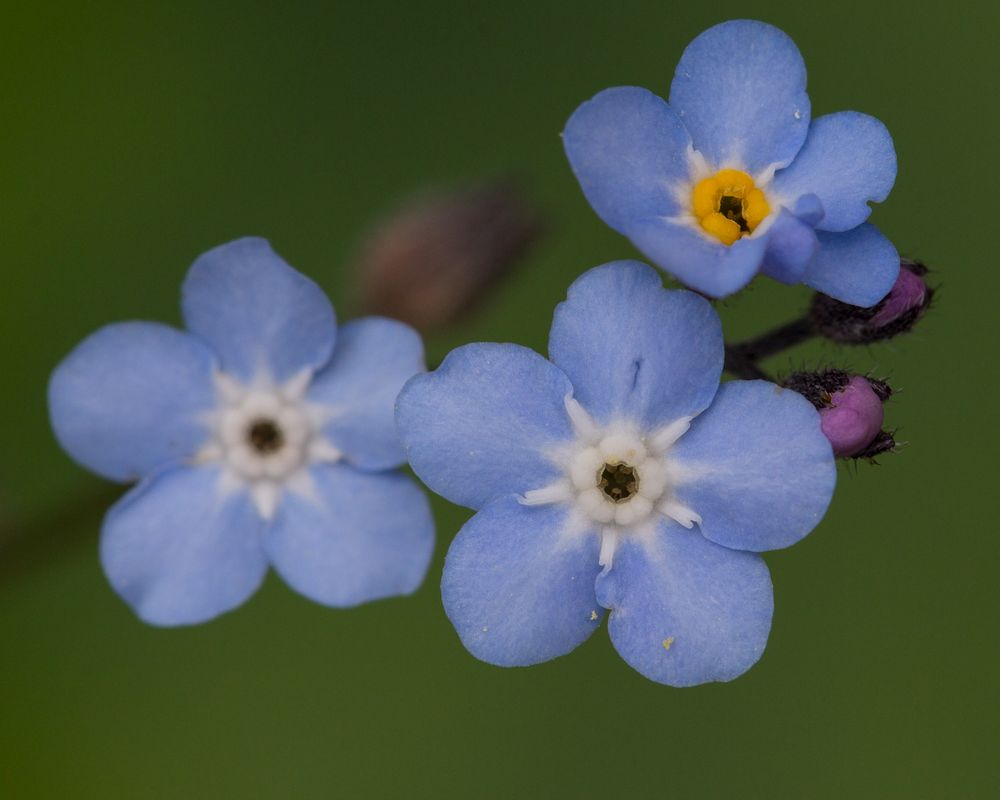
(732, 177)
(619, 475)
(261, 436)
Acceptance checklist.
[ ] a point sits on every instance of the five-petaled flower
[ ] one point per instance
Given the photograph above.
(617, 475)
(732, 177)
(262, 436)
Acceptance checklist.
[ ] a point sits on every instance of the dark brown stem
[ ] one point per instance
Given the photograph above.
(23, 547)
(742, 357)
(743, 367)
(775, 341)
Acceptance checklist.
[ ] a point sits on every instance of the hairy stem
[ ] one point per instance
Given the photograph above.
(776, 340)
(743, 367)
(34, 543)
(742, 357)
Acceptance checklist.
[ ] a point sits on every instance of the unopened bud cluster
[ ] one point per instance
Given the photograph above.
(850, 405)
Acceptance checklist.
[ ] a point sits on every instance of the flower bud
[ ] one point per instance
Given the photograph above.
(896, 313)
(850, 410)
(440, 254)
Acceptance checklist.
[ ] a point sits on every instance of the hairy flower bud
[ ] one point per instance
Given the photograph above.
(850, 410)
(896, 313)
(439, 255)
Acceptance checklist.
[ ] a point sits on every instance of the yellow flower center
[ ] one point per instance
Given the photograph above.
(728, 205)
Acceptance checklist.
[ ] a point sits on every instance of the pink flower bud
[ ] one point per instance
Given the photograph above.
(850, 410)
(909, 293)
(853, 418)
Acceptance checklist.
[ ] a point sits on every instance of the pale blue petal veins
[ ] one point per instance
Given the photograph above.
(129, 398)
(361, 537)
(480, 425)
(697, 260)
(757, 468)
(848, 160)
(179, 551)
(256, 312)
(634, 350)
(740, 89)
(628, 149)
(518, 583)
(372, 360)
(684, 610)
(858, 267)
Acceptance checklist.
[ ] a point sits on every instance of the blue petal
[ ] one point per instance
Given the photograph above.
(373, 358)
(633, 350)
(686, 611)
(761, 472)
(848, 160)
(179, 552)
(256, 312)
(362, 537)
(740, 89)
(791, 246)
(627, 147)
(858, 267)
(695, 259)
(126, 401)
(479, 425)
(517, 587)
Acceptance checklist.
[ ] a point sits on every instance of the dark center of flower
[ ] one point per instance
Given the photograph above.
(618, 482)
(732, 208)
(265, 436)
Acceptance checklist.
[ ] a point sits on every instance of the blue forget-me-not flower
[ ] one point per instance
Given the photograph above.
(262, 435)
(733, 177)
(617, 475)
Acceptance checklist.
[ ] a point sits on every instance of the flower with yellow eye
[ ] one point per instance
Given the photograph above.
(732, 177)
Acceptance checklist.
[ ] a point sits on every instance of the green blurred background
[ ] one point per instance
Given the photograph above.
(135, 136)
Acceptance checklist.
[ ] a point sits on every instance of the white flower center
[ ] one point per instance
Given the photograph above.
(617, 478)
(265, 436)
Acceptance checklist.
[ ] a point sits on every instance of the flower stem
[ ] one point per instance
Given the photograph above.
(742, 357)
(776, 340)
(744, 367)
(34, 543)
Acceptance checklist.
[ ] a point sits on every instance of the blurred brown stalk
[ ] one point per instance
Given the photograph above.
(439, 254)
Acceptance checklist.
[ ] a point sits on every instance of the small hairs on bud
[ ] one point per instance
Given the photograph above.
(850, 410)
